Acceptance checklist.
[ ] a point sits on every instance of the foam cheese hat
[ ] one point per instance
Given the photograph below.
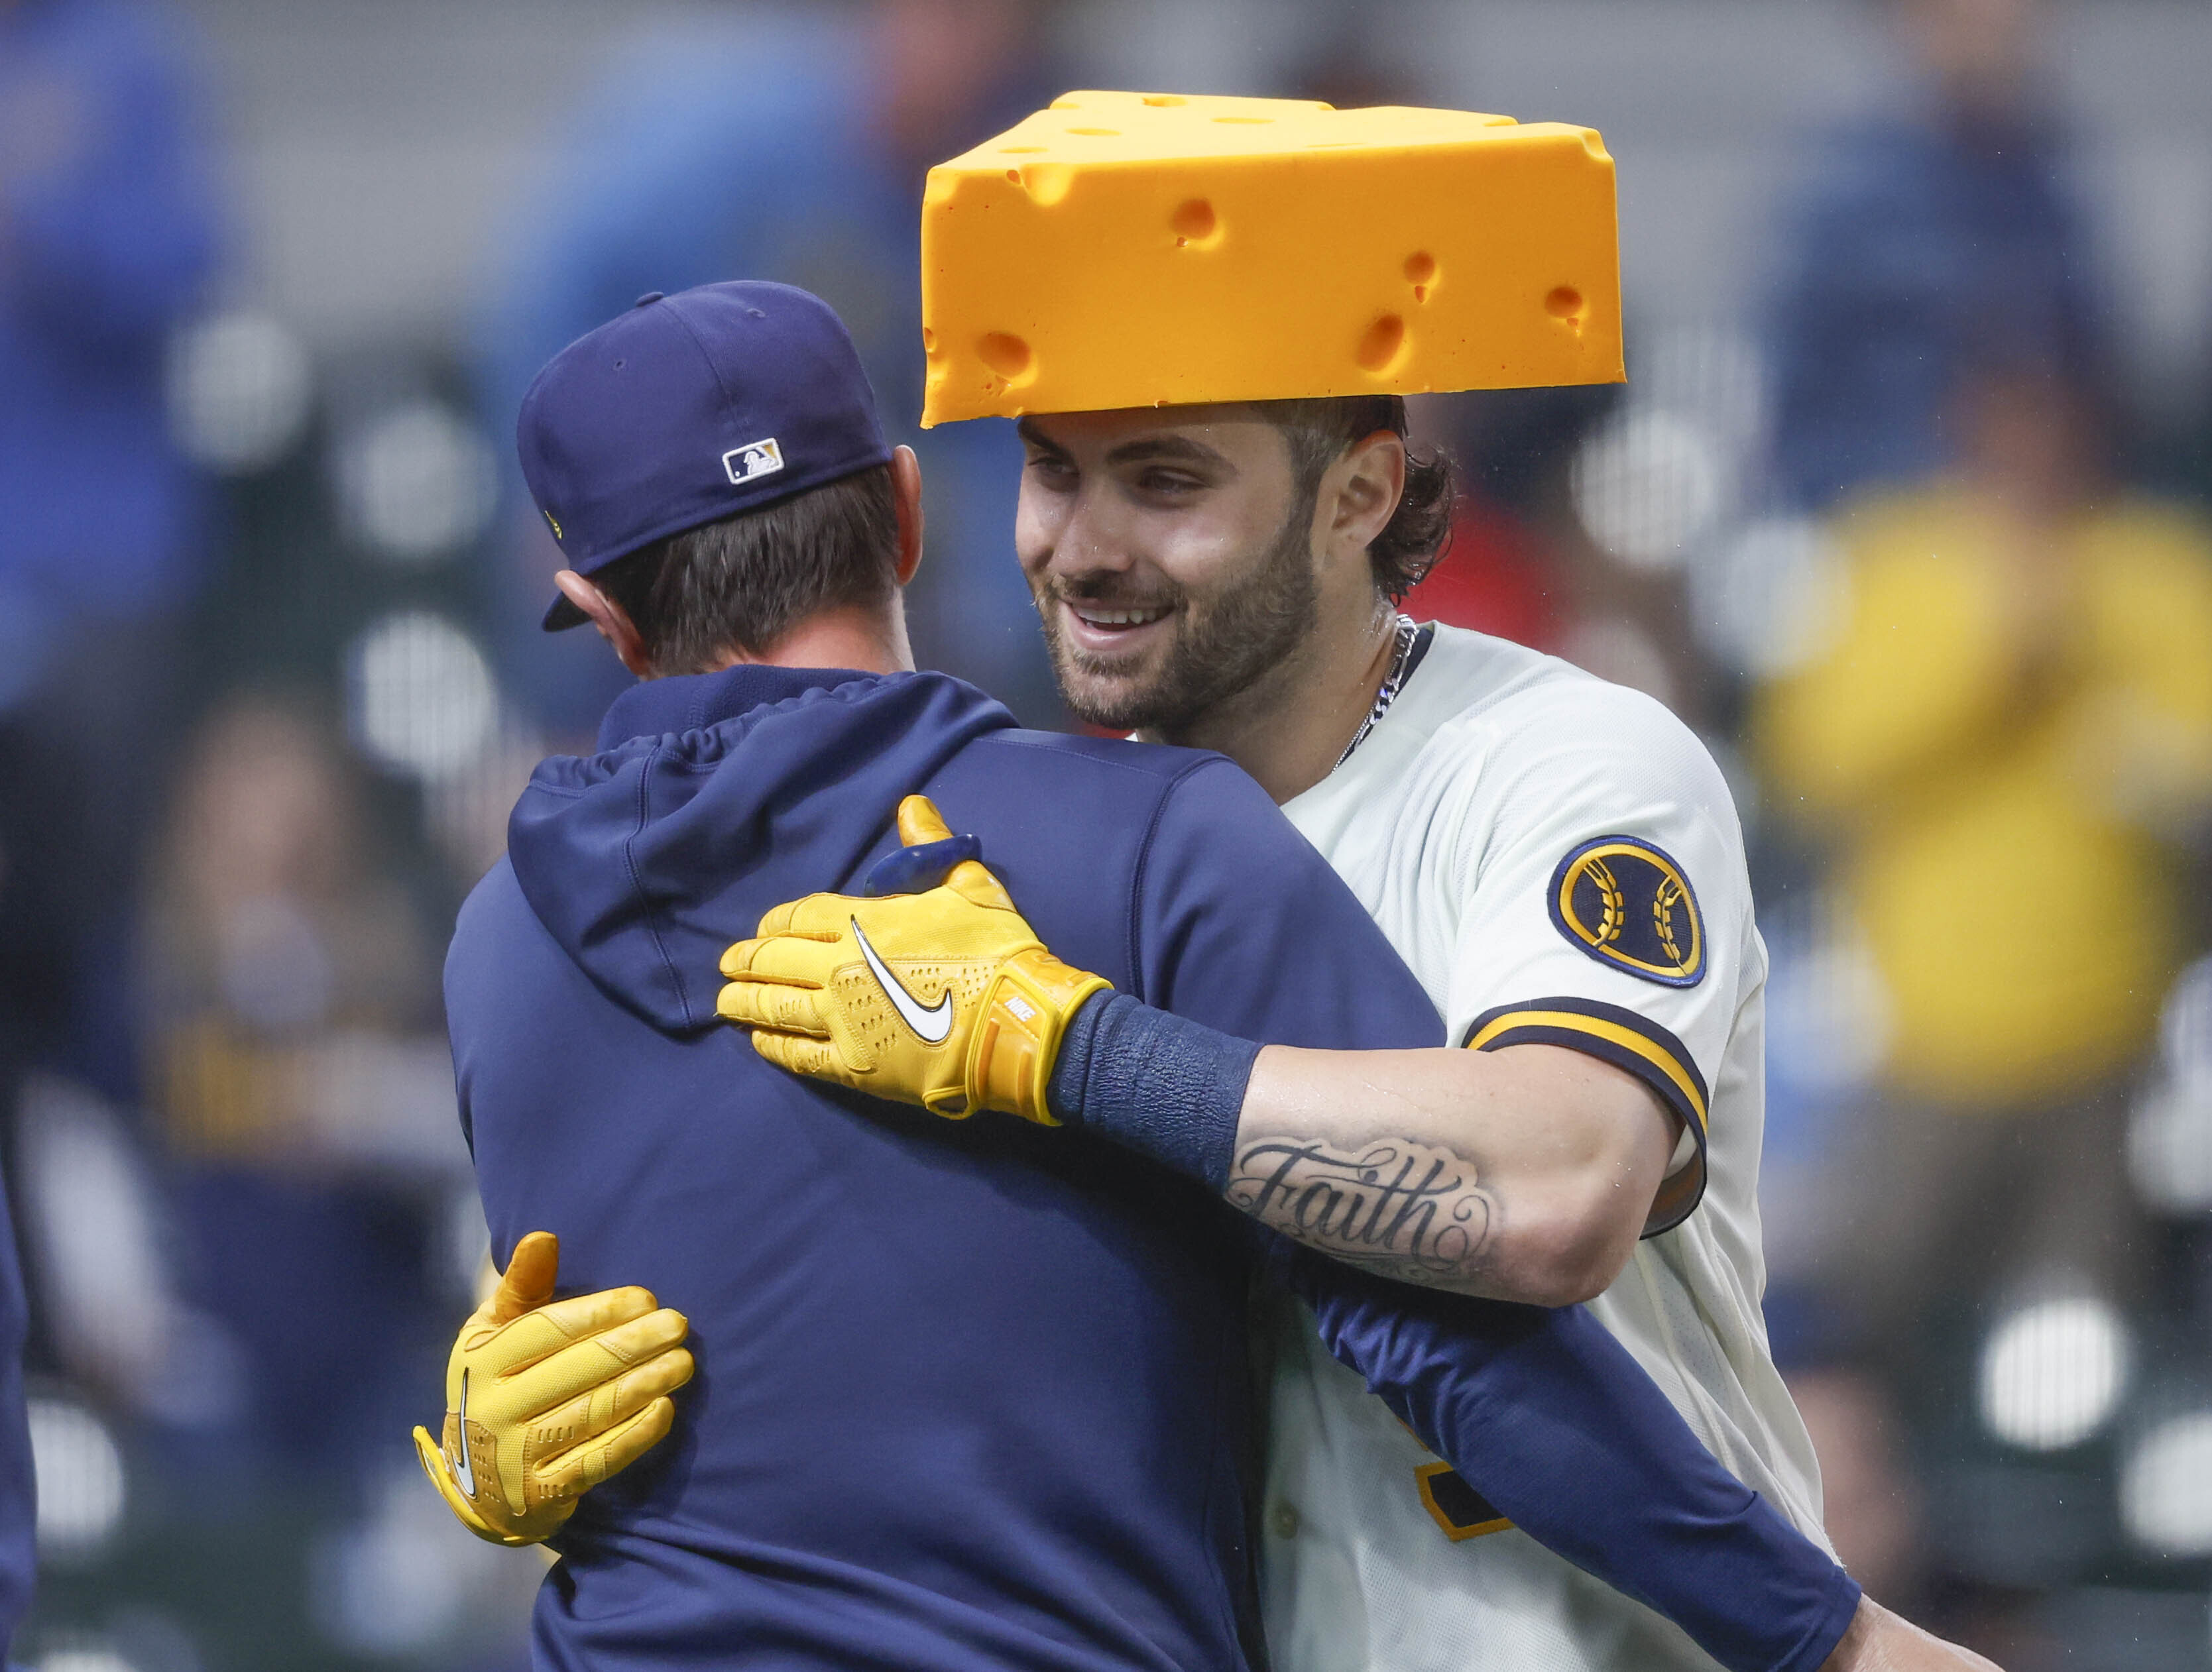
(1129, 248)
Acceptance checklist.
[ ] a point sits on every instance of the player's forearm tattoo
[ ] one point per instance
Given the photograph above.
(1402, 1208)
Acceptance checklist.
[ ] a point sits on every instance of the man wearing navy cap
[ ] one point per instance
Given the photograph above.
(668, 425)
(974, 1401)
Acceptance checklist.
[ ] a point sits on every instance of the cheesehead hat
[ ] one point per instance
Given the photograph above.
(1125, 249)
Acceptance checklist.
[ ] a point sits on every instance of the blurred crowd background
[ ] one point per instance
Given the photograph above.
(1903, 509)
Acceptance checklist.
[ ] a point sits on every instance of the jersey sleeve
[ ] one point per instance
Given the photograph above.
(1604, 904)
(1236, 922)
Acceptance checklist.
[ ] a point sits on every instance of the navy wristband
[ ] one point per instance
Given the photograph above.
(1168, 1088)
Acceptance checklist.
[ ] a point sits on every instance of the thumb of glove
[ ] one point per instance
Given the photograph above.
(527, 1282)
(918, 822)
(921, 826)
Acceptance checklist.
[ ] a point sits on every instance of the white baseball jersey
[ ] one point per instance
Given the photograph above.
(1559, 861)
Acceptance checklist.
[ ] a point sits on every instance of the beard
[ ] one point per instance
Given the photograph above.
(1224, 640)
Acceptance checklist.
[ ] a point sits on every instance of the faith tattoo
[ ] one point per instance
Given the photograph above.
(1403, 1209)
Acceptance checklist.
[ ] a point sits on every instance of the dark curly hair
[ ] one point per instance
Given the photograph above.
(1414, 540)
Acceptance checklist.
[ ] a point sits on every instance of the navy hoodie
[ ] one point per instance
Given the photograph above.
(969, 1393)
(975, 1394)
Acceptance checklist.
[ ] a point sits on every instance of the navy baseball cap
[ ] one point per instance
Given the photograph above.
(687, 408)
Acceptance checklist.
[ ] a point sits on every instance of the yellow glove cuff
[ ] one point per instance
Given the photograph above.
(1016, 1043)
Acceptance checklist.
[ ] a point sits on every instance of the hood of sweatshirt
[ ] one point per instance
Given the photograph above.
(714, 796)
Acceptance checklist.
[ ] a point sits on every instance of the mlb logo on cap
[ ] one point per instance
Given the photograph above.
(754, 458)
(689, 408)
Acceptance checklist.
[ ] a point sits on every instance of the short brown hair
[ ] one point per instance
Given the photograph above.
(743, 583)
(1419, 530)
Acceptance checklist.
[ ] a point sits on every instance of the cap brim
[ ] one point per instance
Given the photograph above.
(562, 616)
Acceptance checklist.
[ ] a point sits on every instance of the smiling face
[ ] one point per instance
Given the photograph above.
(1171, 556)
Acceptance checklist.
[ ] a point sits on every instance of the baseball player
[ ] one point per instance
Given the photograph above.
(1556, 858)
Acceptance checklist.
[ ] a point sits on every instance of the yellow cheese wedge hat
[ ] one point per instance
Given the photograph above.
(1128, 249)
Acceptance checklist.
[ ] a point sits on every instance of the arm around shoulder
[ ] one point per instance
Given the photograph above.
(1588, 1016)
(1524, 1174)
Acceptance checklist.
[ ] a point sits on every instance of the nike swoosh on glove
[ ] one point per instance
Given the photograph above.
(945, 998)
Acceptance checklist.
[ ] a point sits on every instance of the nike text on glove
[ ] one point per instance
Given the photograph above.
(944, 999)
(546, 1398)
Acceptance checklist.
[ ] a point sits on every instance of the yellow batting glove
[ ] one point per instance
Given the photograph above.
(945, 998)
(546, 1398)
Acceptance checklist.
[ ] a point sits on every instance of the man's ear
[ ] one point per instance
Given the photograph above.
(1360, 492)
(611, 620)
(906, 493)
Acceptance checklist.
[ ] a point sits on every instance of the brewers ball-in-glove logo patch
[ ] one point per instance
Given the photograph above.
(1625, 902)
